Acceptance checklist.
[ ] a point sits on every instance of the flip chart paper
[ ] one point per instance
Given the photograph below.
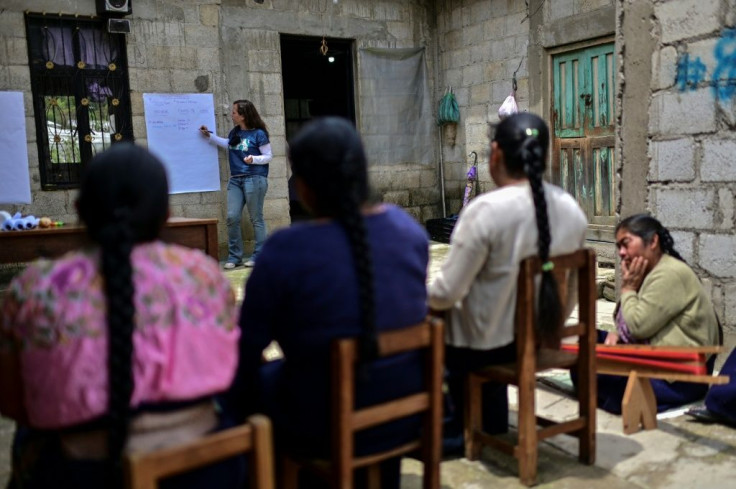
(172, 122)
(15, 181)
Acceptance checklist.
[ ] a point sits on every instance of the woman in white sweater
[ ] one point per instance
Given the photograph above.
(477, 282)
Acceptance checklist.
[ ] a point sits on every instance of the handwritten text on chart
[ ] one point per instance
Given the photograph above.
(691, 72)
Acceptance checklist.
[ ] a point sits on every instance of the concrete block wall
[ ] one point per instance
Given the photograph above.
(232, 50)
(690, 136)
(481, 44)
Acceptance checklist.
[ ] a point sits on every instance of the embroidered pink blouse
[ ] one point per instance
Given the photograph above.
(54, 319)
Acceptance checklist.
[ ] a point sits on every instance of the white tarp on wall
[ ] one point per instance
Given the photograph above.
(395, 115)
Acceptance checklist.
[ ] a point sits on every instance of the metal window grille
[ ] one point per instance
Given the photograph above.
(81, 93)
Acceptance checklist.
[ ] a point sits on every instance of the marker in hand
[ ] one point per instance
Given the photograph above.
(204, 130)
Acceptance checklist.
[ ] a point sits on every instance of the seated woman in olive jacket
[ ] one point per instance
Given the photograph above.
(662, 303)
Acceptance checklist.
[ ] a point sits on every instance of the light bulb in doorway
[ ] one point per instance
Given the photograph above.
(331, 59)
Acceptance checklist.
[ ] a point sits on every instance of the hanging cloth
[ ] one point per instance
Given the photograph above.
(448, 111)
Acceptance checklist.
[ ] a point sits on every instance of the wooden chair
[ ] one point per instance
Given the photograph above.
(144, 470)
(532, 359)
(347, 420)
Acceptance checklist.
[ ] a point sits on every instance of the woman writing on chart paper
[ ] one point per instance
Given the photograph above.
(249, 153)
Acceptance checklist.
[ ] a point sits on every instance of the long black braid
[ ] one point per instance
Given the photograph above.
(329, 157)
(116, 241)
(645, 227)
(123, 200)
(524, 139)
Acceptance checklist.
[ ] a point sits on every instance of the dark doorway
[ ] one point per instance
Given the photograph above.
(315, 84)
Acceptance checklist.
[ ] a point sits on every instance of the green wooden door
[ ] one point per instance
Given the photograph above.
(583, 143)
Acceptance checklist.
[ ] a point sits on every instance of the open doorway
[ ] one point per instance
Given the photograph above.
(315, 84)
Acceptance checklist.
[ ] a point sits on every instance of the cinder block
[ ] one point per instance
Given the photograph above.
(17, 52)
(182, 81)
(494, 28)
(728, 109)
(208, 60)
(209, 15)
(400, 30)
(682, 113)
(684, 244)
(683, 19)
(473, 34)
(480, 11)
(724, 216)
(394, 11)
(716, 254)
(684, 208)
(187, 199)
(480, 52)
(704, 51)
(12, 23)
(19, 77)
(201, 36)
(429, 178)
(588, 5)
(398, 197)
(729, 304)
(664, 68)
(719, 164)
(424, 196)
(673, 160)
(480, 94)
(559, 9)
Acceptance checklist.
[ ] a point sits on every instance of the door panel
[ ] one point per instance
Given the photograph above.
(583, 114)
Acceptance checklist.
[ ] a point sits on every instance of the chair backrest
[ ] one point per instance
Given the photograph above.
(428, 336)
(144, 470)
(574, 272)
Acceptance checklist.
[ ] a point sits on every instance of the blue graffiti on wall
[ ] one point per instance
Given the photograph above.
(692, 72)
(724, 76)
(689, 72)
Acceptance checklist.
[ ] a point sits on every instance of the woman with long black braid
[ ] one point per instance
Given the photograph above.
(477, 281)
(662, 303)
(118, 347)
(353, 270)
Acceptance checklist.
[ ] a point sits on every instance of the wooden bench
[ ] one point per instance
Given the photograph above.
(640, 363)
(25, 246)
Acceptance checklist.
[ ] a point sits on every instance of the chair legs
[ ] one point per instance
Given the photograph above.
(289, 477)
(528, 442)
(473, 416)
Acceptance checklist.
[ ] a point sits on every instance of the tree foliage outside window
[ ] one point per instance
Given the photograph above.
(81, 95)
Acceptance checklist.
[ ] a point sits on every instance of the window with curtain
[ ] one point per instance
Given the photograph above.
(81, 94)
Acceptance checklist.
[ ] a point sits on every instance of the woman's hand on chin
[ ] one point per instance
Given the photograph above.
(633, 273)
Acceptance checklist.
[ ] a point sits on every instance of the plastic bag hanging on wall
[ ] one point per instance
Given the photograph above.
(509, 106)
(448, 116)
(449, 111)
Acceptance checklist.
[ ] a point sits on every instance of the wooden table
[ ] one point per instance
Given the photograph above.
(24, 246)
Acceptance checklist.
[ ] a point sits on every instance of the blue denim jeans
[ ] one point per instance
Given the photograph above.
(245, 191)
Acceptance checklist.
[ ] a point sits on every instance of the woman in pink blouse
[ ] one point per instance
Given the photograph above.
(118, 347)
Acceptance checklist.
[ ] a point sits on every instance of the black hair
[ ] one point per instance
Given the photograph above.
(252, 118)
(123, 200)
(645, 227)
(524, 139)
(328, 156)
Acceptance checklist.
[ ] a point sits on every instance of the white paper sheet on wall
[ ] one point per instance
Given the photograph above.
(15, 181)
(172, 123)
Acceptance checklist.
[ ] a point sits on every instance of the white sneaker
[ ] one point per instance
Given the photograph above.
(250, 263)
(229, 265)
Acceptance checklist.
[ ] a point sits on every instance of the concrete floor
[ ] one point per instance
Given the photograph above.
(681, 453)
